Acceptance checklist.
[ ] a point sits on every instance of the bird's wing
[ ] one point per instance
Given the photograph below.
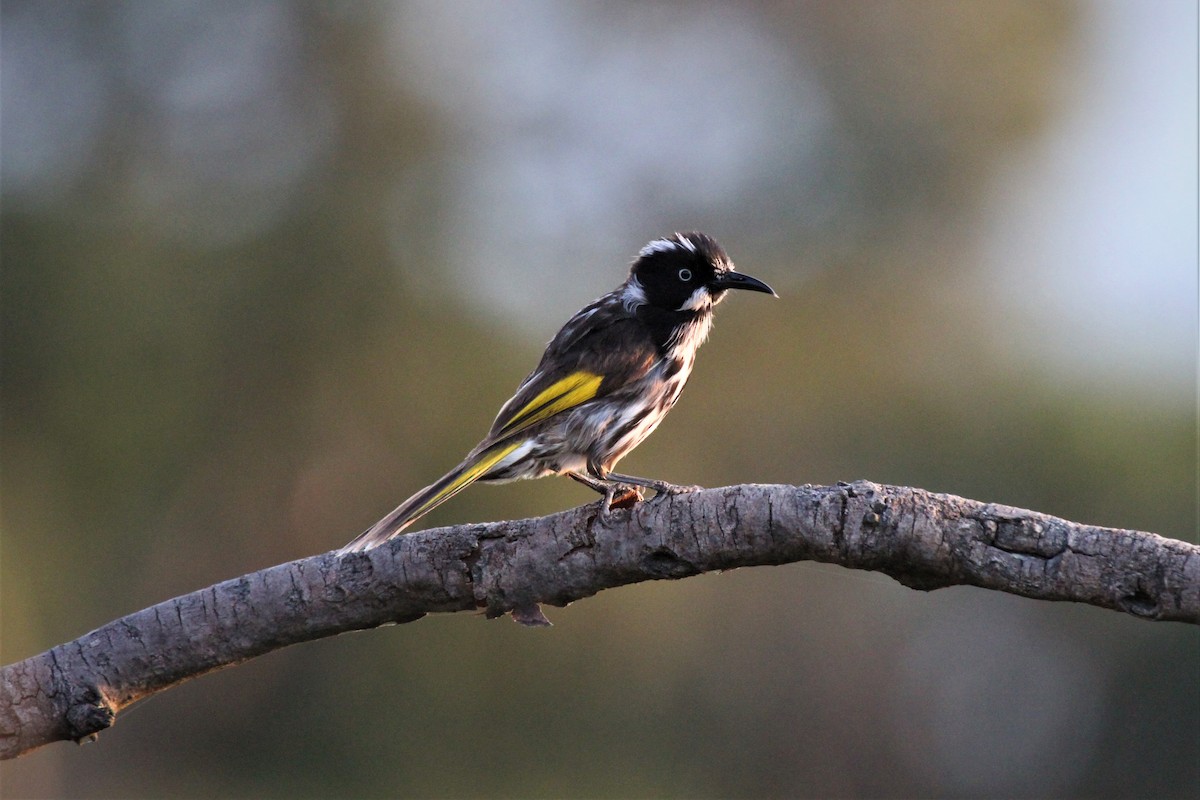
(583, 363)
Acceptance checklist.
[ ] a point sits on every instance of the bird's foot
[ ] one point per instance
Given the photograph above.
(618, 496)
(660, 487)
(626, 497)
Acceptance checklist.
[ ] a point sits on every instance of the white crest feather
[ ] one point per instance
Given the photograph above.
(676, 241)
(658, 246)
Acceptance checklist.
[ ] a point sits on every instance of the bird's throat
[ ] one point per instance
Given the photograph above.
(673, 329)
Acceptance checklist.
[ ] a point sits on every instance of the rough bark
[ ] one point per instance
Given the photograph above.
(923, 540)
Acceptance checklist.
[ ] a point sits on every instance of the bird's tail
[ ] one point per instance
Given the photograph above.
(472, 469)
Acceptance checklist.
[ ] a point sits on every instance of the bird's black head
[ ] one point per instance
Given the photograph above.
(685, 272)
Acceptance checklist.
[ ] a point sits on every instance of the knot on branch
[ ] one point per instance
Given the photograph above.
(89, 714)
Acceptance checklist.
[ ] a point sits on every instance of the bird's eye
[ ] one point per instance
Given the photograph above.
(685, 275)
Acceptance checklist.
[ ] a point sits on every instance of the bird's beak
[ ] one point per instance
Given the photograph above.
(737, 280)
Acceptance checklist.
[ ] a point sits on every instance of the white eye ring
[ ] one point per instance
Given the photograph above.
(685, 275)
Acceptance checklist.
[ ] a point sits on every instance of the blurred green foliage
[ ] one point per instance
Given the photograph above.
(183, 403)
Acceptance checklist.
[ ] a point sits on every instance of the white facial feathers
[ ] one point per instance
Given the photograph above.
(699, 300)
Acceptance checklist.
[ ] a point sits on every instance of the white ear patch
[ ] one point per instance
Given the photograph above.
(633, 295)
(699, 300)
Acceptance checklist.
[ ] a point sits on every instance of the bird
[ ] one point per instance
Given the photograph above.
(603, 384)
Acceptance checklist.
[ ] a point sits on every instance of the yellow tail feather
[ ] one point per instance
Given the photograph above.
(430, 498)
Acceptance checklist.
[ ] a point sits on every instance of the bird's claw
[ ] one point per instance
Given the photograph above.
(626, 497)
(619, 497)
(623, 495)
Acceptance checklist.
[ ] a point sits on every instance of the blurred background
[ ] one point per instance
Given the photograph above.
(270, 267)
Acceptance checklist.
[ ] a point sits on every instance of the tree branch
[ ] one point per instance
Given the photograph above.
(923, 540)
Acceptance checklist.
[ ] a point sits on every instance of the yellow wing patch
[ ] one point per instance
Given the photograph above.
(568, 392)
